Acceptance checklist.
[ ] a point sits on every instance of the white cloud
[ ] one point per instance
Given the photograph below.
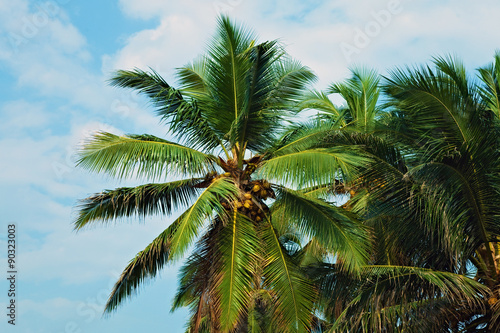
(176, 41)
(313, 31)
(19, 116)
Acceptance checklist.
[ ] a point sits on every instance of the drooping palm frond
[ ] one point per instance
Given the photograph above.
(142, 156)
(192, 78)
(294, 294)
(326, 164)
(239, 247)
(185, 119)
(437, 107)
(333, 227)
(301, 137)
(392, 297)
(207, 205)
(260, 313)
(145, 265)
(141, 201)
(199, 281)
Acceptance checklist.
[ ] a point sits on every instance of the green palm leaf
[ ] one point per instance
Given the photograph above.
(294, 293)
(146, 264)
(336, 229)
(302, 137)
(239, 250)
(361, 94)
(150, 199)
(293, 78)
(406, 287)
(186, 120)
(254, 118)
(319, 101)
(490, 90)
(314, 166)
(206, 206)
(142, 156)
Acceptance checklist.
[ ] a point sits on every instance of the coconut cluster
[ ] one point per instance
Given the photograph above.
(253, 193)
(250, 202)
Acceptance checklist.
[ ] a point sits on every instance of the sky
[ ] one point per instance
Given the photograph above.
(55, 59)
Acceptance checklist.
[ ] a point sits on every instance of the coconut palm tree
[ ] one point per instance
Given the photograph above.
(237, 173)
(432, 206)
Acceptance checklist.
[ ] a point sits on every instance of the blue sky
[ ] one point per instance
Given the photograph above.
(55, 58)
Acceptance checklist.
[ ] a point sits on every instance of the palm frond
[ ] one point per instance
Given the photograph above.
(141, 156)
(301, 137)
(145, 265)
(192, 78)
(361, 94)
(208, 204)
(226, 74)
(333, 227)
(412, 289)
(319, 101)
(294, 294)
(239, 248)
(490, 90)
(255, 120)
(314, 166)
(185, 119)
(141, 201)
(293, 79)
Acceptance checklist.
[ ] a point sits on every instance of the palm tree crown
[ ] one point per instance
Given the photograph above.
(241, 174)
(430, 196)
